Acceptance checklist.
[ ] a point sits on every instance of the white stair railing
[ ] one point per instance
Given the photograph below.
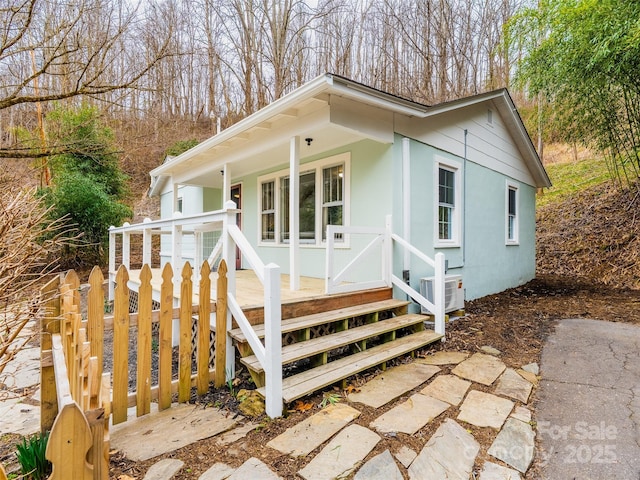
(270, 354)
(384, 241)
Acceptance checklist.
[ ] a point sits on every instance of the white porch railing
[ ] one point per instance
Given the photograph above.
(383, 241)
(269, 354)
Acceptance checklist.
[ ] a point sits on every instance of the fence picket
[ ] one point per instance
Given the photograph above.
(95, 320)
(143, 377)
(204, 329)
(120, 347)
(184, 358)
(164, 341)
(221, 325)
(68, 444)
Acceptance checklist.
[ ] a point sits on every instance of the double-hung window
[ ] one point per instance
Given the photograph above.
(448, 204)
(332, 197)
(268, 211)
(323, 190)
(512, 214)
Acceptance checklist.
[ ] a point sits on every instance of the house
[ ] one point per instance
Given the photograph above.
(413, 207)
(458, 178)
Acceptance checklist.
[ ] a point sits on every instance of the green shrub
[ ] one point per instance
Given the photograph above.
(31, 455)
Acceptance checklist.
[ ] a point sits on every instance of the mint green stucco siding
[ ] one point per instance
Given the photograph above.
(370, 200)
(483, 258)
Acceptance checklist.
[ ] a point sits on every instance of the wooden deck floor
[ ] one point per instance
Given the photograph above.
(249, 290)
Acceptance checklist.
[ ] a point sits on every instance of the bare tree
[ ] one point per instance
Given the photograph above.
(70, 49)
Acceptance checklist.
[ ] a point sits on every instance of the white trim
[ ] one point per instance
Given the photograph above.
(510, 185)
(316, 166)
(294, 214)
(456, 168)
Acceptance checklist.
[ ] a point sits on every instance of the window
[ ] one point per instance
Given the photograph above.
(323, 194)
(448, 204)
(268, 212)
(332, 197)
(512, 214)
(179, 205)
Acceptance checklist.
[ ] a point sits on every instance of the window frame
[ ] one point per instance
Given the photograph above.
(318, 167)
(456, 229)
(515, 238)
(268, 211)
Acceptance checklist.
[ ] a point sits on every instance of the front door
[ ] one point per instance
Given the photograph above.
(236, 196)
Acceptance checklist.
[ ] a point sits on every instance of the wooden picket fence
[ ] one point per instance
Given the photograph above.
(79, 400)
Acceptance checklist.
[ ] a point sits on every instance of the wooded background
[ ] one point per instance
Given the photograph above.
(164, 71)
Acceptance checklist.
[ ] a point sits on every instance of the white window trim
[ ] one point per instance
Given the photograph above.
(317, 166)
(510, 185)
(456, 167)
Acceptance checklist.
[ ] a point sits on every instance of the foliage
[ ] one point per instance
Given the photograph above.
(86, 206)
(181, 146)
(583, 57)
(30, 242)
(330, 399)
(568, 178)
(31, 456)
(88, 187)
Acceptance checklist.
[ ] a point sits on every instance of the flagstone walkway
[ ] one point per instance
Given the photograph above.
(449, 389)
(422, 391)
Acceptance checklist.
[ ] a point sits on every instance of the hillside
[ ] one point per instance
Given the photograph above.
(588, 228)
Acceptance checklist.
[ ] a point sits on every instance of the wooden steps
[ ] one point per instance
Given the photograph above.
(308, 321)
(326, 343)
(315, 379)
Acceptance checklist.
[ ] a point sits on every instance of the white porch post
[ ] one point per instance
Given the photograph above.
(146, 244)
(273, 341)
(226, 184)
(126, 248)
(294, 214)
(197, 255)
(112, 262)
(229, 256)
(176, 263)
(438, 293)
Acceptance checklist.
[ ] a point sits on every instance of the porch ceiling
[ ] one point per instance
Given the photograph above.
(262, 149)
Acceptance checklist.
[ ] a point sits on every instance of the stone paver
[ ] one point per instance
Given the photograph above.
(394, 382)
(236, 433)
(168, 430)
(480, 368)
(444, 358)
(18, 417)
(514, 445)
(309, 434)
(493, 471)
(218, 471)
(490, 350)
(528, 376)
(512, 385)
(522, 413)
(23, 370)
(484, 409)
(449, 454)
(341, 455)
(253, 468)
(380, 467)
(164, 469)
(448, 388)
(532, 368)
(410, 416)
(405, 456)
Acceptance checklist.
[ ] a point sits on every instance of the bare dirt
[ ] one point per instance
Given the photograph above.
(516, 322)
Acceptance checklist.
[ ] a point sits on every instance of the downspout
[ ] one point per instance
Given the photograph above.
(406, 206)
(464, 200)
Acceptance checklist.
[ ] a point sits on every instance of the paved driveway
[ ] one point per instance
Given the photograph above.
(588, 413)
